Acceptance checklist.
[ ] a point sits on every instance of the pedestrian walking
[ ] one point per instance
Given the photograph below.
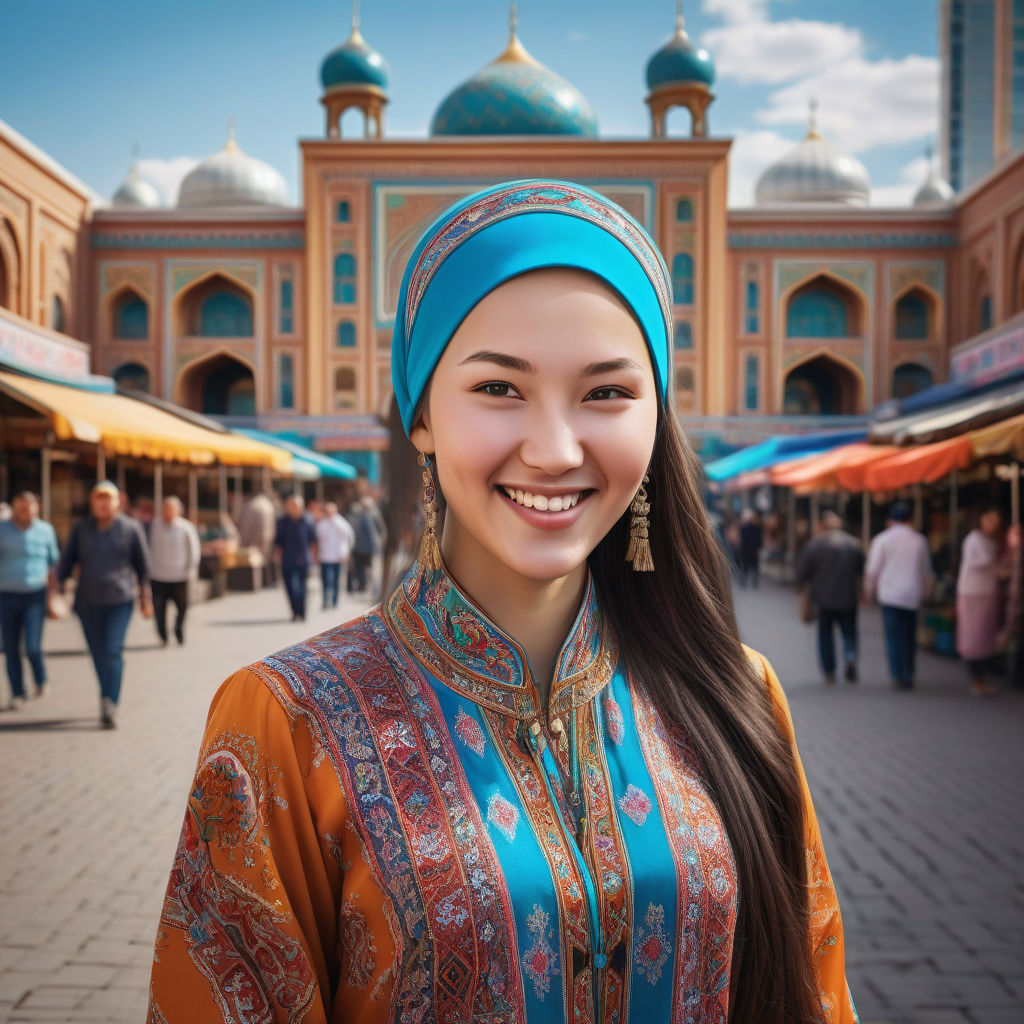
(751, 540)
(368, 526)
(175, 552)
(109, 550)
(543, 780)
(334, 540)
(831, 565)
(979, 598)
(899, 576)
(28, 555)
(295, 550)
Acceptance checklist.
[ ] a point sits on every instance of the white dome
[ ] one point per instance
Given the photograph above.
(135, 193)
(230, 178)
(933, 190)
(816, 171)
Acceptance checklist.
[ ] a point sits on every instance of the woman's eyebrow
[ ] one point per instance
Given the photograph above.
(610, 365)
(501, 359)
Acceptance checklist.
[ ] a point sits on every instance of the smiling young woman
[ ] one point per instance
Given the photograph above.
(539, 782)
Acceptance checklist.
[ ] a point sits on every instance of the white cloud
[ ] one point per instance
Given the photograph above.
(779, 51)
(911, 176)
(166, 175)
(864, 103)
(749, 155)
(737, 10)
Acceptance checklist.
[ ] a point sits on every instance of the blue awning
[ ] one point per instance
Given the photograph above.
(328, 466)
(777, 450)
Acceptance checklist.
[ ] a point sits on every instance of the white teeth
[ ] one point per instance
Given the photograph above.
(541, 502)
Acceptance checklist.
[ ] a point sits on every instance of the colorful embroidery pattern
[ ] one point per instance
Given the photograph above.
(635, 804)
(359, 953)
(539, 961)
(468, 730)
(503, 815)
(652, 945)
(613, 717)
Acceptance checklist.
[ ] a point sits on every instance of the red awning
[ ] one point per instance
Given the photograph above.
(923, 464)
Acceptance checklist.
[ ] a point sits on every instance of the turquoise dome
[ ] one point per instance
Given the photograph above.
(515, 95)
(354, 63)
(680, 61)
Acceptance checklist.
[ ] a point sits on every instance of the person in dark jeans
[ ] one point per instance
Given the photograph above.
(110, 551)
(28, 554)
(296, 549)
(832, 565)
(751, 541)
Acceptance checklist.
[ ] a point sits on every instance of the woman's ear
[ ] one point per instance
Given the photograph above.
(421, 435)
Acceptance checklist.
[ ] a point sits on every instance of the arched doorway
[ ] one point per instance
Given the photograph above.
(822, 386)
(132, 376)
(216, 307)
(909, 378)
(219, 386)
(823, 308)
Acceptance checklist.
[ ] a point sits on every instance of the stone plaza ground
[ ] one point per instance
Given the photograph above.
(918, 795)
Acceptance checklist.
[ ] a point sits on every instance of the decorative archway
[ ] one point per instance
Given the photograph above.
(128, 315)
(822, 385)
(909, 378)
(915, 314)
(132, 376)
(981, 301)
(823, 307)
(215, 306)
(10, 267)
(1017, 280)
(218, 385)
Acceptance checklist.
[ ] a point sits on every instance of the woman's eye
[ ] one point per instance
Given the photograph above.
(603, 394)
(495, 388)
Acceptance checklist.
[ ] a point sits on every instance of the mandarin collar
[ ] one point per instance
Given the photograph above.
(457, 642)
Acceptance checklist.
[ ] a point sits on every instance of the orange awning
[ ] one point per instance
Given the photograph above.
(821, 472)
(922, 464)
(1004, 438)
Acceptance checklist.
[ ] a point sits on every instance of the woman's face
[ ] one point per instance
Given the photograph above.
(541, 419)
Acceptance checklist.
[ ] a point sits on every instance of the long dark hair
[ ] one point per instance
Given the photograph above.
(676, 631)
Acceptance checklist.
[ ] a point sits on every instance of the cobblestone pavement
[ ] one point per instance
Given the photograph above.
(918, 796)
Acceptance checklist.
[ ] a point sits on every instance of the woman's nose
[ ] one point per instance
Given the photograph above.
(552, 444)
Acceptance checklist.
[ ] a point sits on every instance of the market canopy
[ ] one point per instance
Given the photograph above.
(832, 470)
(923, 464)
(777, 450)
(327, 465)
(125, 426)
(1004, 438)
(976, 411)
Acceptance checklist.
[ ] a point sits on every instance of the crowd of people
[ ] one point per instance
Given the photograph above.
(118, 557)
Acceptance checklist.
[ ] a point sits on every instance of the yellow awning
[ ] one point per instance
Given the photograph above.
(127, 427)
(1004, 438)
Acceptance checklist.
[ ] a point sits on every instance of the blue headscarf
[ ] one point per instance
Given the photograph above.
(492, 236)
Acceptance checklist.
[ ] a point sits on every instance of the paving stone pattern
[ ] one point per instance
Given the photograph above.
(919, 798)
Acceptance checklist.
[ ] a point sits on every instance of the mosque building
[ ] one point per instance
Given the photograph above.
(809, 309)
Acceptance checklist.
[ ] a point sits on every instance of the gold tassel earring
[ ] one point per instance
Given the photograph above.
(639, 551)
(430, 554)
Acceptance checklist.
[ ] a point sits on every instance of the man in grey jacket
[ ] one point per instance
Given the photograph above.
(832, 564)
(111, 554)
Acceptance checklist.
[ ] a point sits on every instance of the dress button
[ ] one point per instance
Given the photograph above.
(600, 960)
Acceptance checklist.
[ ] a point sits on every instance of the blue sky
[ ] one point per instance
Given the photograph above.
(87, 81)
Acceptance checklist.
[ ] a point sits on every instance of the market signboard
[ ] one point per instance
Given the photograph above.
(29, 350)
(998, 355)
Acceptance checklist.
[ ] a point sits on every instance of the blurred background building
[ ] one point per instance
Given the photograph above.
(807, 311)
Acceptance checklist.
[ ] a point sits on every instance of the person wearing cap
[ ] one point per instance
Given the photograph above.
(28, 554)
(109, 550)
(899, 576)
(543, 780)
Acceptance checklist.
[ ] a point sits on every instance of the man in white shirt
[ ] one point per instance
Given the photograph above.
(335, 537)
(174, 551)
(899, 576)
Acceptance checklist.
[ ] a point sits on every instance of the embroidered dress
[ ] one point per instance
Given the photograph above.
(386, 825)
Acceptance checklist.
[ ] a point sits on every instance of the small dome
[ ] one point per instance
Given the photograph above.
(230, 178)
(136, 193)
(680, 62)
(933, 189)
(815, 171)
(515, 95)
(354, 64)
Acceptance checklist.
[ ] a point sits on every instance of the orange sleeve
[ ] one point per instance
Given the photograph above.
(249, 920)
(827, 947)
